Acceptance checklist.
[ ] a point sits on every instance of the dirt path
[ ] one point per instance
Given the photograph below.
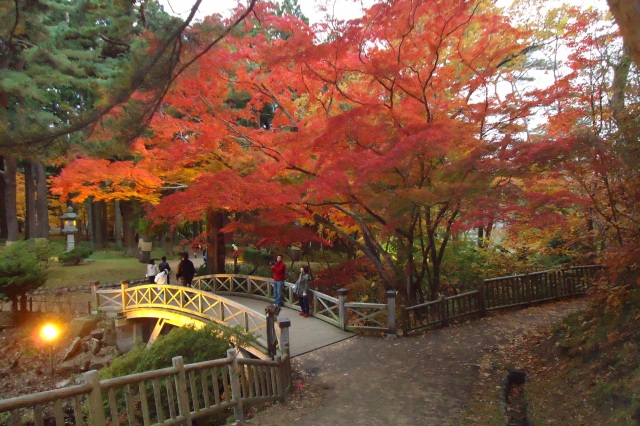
(423, 380)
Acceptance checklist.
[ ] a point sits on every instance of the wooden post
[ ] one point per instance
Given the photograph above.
(181, 390)
(342, 311)
(528, 289)
(280, 379)
(94, 295)
(285, 345)
(96, 410)
(124, 286)
(405, 320)
(481, 299)
(271, 332)
(236, 390)
(444, 315)
(284, 370)
(391, 314)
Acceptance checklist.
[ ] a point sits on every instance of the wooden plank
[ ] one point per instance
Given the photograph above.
(171, 400)
(37, 415)
(157, 400)
(194, 391)
(216, 385)
(113, 407)
(128, 397)
(205, 388)
(57, 412)
(77, 411)
(144, 404)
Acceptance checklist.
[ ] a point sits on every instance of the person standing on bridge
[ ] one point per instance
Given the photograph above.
(279, 270)
(302, 290)
(152, 271)
(164, 266)
(185, 271)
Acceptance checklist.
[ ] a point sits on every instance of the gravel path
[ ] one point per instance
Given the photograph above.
(421, 380)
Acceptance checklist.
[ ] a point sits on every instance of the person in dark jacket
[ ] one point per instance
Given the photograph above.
(279, 270)
(185, 271)
(302, 290)
(164, 266)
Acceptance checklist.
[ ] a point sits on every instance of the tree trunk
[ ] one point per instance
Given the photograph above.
(90, 220)
(128, 232)
(118, 224)
(103, 208)
(10, 194)
(627, 13)
(215, 241)
(42, 201)
(97, 224)
(30, 202)
(3, 203)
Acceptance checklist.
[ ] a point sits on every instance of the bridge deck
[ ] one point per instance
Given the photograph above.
(307, 334)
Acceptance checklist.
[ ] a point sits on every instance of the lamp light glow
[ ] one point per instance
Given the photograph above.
(49, 332)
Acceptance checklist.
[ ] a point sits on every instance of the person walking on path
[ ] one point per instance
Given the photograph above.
(162, 277)
(302, 289)
(152, 271)
(279, 270)
(185, 271)
(164, 266)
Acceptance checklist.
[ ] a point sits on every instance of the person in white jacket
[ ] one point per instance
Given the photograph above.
(152, 271)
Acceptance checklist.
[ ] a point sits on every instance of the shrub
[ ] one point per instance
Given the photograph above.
(75, 256)
(256, 257)
(20, 271)
(194, 345)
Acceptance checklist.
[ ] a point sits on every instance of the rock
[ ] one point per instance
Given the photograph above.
(97, 364)
(63, 384)
(95, 346)
(109, 338)
(80, 327)
(67, 367)
(97, 334)
(85, 362)
(72, 349)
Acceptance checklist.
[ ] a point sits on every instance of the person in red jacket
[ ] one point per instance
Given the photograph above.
(279, 270)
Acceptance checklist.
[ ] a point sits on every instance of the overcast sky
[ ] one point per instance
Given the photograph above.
(343, 9)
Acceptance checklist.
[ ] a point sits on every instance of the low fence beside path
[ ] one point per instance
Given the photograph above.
(348, 316)
(500, 293)
(175, 395)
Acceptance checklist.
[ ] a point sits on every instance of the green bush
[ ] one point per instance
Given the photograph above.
(194, 345)
(20, 271)
(256, 257)
(75, 256)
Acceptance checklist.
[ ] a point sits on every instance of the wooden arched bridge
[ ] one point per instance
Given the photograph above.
(240, 301)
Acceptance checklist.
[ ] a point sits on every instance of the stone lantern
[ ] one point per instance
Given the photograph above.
(69, 222)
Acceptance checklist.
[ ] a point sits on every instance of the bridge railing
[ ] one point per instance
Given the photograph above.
(178, 394)
(500, 293)
(189, 301)
(351, 316)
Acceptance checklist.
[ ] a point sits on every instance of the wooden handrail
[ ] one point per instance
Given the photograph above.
(185, 386)
(500, 293)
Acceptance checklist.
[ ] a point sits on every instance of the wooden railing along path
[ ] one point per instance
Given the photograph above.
(499, 293)
(349, 316)
(169, 396)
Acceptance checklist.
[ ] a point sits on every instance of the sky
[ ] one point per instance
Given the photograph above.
(343, 9)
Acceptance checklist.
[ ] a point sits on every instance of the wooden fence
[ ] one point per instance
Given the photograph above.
(349, 316)
(175, 395)
(500, 293)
